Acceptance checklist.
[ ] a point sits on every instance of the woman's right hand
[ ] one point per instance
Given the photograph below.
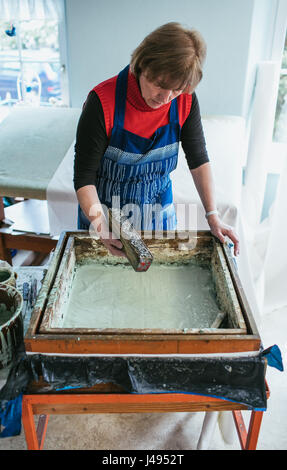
(114, 245)
(92, 208)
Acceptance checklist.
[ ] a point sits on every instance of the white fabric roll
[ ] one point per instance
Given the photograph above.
(275, 266)
(208, 426)
(226, 145)
(261, 132)
(61, 197)
(227, 427)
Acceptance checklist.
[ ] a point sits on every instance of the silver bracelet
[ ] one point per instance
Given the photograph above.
(210, 213)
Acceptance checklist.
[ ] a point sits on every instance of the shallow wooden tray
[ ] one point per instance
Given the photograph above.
(238, 335)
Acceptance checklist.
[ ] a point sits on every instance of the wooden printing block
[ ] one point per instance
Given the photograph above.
(135, 249)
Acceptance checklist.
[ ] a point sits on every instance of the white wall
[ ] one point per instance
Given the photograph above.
(101, 35)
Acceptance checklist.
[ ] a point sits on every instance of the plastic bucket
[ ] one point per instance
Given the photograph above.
(11, 324)
(7, 275)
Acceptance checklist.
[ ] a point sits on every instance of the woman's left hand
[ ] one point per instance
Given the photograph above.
(221, 230)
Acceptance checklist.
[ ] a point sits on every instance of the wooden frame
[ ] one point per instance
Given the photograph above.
(41, 337)
(44, 405)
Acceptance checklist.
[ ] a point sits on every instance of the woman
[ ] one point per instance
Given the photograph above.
(128, 137)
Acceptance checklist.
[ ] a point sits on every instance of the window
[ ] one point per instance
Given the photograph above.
(280, 126)
(31, 66)
(278, 149)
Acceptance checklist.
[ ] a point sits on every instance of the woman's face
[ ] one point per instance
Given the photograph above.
(154, 95)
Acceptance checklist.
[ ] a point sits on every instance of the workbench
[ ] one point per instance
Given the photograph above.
(44, 398)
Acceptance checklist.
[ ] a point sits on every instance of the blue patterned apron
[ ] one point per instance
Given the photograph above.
(135, 171)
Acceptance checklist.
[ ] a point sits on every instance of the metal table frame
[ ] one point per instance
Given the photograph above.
(44, 405)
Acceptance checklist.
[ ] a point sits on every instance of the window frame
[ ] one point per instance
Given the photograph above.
(63, 56)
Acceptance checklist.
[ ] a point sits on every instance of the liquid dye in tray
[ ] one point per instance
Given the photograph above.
(165, 297)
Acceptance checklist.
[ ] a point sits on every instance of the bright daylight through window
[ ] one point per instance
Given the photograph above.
(280, 127)
(30, 62)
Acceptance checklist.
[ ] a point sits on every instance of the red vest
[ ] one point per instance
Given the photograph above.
(139, 117)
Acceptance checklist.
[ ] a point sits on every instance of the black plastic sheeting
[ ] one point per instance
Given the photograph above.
(237, 379)
(240, 379)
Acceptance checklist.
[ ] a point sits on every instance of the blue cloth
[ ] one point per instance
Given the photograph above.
(134, 174)
(10, 418)
(274, 357)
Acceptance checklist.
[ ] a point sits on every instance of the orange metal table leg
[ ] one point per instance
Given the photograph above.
(41, 430)
(254, 429)
(34, 438)
(240, 428)
(248, 441)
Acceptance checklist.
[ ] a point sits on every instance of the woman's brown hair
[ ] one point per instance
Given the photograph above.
(172, 54)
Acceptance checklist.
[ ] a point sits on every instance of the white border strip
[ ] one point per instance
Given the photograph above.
(172, 356)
